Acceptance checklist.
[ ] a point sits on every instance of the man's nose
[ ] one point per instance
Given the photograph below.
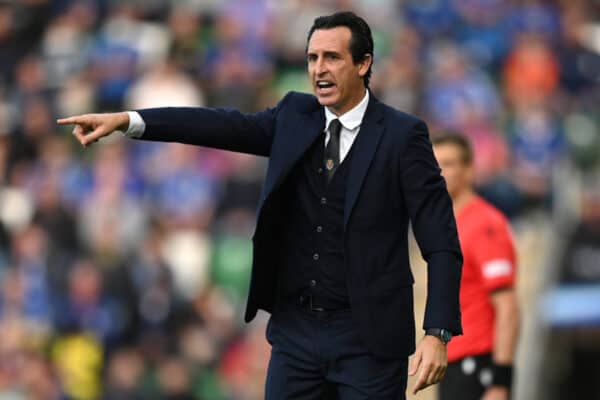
(320, 67)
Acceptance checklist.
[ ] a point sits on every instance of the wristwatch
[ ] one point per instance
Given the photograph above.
(443, 334)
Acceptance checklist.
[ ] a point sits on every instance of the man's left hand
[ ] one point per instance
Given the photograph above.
(495, 393)
(432, 359)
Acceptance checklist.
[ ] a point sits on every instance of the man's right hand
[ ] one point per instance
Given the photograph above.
(89, 128)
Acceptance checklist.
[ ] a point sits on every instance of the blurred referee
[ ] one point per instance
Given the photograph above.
(480, 363)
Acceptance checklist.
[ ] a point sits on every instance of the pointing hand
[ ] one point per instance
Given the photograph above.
(89, 128)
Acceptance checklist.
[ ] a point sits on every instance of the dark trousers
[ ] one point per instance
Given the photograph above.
(466, 379)
(319, 355)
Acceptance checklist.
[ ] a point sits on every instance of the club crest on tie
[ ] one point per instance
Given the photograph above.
(329, 164)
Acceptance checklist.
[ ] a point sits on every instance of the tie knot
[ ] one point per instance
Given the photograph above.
(335, 126)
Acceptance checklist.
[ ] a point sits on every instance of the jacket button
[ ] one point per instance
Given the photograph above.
(316, 256)
(319, 229)
(323, 200)
(313, 283)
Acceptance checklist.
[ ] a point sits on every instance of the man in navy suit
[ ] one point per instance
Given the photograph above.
(346, 174)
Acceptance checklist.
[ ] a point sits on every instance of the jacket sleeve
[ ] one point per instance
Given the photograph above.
(220, 128)
(432, 218)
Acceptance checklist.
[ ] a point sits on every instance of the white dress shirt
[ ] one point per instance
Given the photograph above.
(350, 120)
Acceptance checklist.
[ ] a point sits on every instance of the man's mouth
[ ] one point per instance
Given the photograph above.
(324, 86)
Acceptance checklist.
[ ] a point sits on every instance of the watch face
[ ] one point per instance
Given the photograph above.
(446, 335)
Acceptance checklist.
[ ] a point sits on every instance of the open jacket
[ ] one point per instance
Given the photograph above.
(393, 178)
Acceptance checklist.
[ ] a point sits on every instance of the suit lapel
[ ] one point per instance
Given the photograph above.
(366, 143)
(305, 130)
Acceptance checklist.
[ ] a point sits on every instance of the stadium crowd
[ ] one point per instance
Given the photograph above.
(124, 267)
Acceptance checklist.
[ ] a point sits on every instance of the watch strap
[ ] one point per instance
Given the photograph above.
(443, 334)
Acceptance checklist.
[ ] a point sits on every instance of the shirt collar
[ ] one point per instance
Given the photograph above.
(350, 119)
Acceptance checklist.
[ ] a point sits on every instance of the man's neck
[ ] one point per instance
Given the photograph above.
(460, 200)
(352, 105)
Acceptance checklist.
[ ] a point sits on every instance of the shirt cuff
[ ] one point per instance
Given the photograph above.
(137, 126)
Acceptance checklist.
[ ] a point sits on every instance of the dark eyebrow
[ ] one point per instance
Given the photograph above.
(331, 53)
(327, 53)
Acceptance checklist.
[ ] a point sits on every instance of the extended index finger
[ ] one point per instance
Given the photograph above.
(71, 120)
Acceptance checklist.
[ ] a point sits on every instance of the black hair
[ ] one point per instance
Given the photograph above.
(456, 139)
(361, 42)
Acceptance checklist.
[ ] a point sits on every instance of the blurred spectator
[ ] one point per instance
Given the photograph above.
(124, 375)
(38, 379)
(174, 379)
(537, 145)
(431, 18)
(537, 17)
(237, 64)
(152, 281)
(67, 42)
(78, 360)
(457, 92)
(293, 18)
(187, 27)
(111, 217)
(164, 85)
(482, 30)
(35, 125)
(401, 75)
(52, 213)
(183, 193)
(88, 308)
(125, 42)
(33, 293)
(531, 72)
(579, 64)
(200, 352)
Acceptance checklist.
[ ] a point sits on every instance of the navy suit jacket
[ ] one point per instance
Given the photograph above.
(393, 178)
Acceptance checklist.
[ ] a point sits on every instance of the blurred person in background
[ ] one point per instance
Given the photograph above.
(88, 307)
(30, 259)
(481, 361)
(124, 374)
(110, 215)
(330, 265)
(175, 379)
(402, 74)
(236, 63)
(538, 145)
(458, 93)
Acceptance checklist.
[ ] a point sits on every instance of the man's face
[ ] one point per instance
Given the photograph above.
(336, 80)
(456, 172)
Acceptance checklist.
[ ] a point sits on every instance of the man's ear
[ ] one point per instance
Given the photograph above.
(365, 64)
